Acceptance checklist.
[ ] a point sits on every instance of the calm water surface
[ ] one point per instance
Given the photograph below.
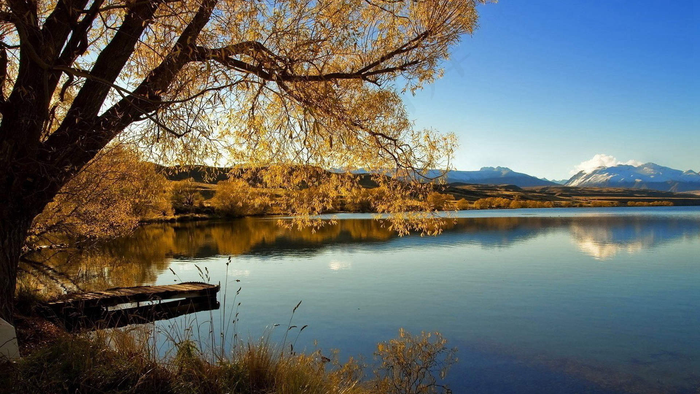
(537, 301)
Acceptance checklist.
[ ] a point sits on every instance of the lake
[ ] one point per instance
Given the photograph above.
(536, 300)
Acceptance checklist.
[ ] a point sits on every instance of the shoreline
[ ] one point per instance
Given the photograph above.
(204, 217)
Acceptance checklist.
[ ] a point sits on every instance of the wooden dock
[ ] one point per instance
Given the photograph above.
(124, 295)
(131, 305)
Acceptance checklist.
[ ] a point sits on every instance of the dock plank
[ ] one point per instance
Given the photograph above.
(122, 295)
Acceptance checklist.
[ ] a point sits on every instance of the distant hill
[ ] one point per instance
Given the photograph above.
(200, 173)
(493, 176)
(489, 182)
(485, 176)
(578, 196)
(646, 176)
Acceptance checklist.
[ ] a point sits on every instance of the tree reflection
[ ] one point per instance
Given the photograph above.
(140, 258)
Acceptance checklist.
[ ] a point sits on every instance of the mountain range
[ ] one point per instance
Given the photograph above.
(646, 176)
(492, 176)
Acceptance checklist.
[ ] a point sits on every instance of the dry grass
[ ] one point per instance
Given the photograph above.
(126, 364)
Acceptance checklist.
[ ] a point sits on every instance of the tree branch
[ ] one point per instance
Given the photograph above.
(23, 12)
(76, 140)
(146, 97)
(77, 44)
(270, 68)
(3, 72)
(59, 24)
(82, 134)
(7, 17)
(406, 47)
(105, 71)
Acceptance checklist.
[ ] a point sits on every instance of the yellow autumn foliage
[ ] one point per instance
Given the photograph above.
(108, 198)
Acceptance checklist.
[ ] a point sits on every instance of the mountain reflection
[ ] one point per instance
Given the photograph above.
(605, 237)
(142, 257)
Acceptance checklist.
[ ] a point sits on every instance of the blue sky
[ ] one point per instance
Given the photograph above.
(545, 85)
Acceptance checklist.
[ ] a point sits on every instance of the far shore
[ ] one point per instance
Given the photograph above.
(207, 214)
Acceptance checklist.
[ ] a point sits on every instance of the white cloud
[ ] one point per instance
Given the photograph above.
(602, 160)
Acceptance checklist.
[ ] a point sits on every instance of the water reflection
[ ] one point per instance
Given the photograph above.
(144, 256)
(603, 238)
(520, 295)
(339, 265)
(132, 314)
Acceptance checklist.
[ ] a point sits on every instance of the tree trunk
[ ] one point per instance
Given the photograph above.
(13, 231)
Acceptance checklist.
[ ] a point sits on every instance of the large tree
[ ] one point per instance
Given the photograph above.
(249, 81)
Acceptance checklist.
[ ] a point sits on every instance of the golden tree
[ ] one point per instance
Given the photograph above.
(107, 198)
(271, 81)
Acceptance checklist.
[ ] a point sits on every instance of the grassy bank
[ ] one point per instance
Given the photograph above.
(167, 359)
(122, 364)
(135, 359)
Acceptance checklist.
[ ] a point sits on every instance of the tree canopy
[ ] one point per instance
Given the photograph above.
(310, 82)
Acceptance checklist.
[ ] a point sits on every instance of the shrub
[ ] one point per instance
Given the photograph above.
(413, 364)
(235, 197)
(463, 204)
(185, 197)
(439, 201)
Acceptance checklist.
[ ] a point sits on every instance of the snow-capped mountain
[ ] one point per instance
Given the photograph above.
(492, 176)
(646, 176)
(557, 181)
